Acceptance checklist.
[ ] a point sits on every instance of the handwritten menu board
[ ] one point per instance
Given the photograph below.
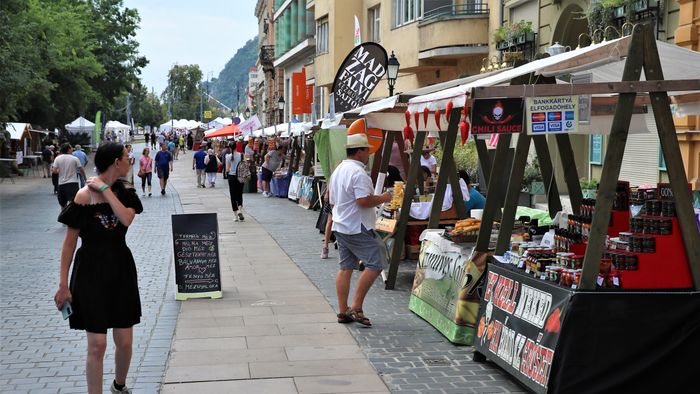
(196, 248)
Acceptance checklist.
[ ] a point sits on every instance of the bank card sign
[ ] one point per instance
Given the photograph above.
(497, 116)
(519, 323)
(357, 77)
(552, 115)
(445, 290)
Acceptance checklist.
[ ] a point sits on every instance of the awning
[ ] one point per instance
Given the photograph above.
(17, 130)
(229, 130)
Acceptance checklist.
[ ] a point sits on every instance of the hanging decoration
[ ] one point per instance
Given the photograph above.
(425, 117)
(407, 131)
(416, 118)
(437, 119)
(448, 110)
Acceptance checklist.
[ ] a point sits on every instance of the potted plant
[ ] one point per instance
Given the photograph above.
(500, 36)
(522, 31)
(589, 187)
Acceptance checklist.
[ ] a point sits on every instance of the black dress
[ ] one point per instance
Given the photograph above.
(103, 280)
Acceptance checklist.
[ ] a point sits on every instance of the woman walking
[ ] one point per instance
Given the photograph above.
(146, 171)
(103, 290)
(235, 187)
(212, 166)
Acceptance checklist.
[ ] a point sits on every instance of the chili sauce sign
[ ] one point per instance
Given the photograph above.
(445, 290)
(359, 74)
(497, 116)
(552, 115)
(519, 323)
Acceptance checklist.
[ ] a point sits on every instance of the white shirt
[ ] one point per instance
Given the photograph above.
(348, 183)
(429, 162)
(232, 159)
(68, 168)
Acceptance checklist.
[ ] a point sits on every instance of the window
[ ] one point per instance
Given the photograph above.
(407, 11)
(662, 161)
(596, 149)
(374, 26)
(322, 36)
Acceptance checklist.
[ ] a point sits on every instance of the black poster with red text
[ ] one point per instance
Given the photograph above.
(519, 322)
(497, 116)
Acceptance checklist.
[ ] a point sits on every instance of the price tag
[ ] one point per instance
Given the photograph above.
(616, 281)
(527, 270)
(543, 277)
(600, 281)
(573, 286)
(521, 264)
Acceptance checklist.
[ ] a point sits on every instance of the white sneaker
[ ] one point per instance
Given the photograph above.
(235, 218)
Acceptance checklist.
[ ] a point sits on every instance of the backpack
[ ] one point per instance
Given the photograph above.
(243, 171)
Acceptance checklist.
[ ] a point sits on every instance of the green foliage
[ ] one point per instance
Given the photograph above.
(591, 184)
(235, 74)
(515, 30)
(465, 157)
(183, 91)
(531, 174)
(64, 58)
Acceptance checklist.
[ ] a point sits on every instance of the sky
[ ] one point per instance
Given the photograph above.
(204, 32)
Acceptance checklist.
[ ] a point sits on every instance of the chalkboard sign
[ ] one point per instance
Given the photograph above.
(196, 247)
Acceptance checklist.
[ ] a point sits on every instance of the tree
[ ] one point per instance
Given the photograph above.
(183, 90)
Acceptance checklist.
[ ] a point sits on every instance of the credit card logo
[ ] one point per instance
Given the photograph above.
(569, 115)
(552, 116)
(538, 117)
(539, 127)
(554, 126)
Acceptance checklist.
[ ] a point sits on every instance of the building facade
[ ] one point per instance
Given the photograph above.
(267, 90)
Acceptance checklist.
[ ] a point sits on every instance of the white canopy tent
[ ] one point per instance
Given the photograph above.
(80, 125)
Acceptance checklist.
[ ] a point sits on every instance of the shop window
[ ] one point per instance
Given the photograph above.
(407, 11)
(374, 25)
(595, 149)
(322, 36)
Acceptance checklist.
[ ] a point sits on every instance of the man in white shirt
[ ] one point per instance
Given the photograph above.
(428, 160)
(67, 167)
(352, 196)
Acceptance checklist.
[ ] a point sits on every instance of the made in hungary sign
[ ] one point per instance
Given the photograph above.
(357, 77)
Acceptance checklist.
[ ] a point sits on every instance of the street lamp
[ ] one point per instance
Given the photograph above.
(392, 72)
(280, 107)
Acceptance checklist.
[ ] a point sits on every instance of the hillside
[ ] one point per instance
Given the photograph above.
(235, 72)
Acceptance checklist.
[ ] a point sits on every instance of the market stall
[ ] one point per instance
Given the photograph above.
(610, 296)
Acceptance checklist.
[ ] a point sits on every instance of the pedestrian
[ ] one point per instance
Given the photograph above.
(147, 137)
(224, 152)
(352, 196)
(153, 139)
(78, 152)
(164, 165)
(46, 160)
(182, 143)
(212, 166)
(103, 289)
(327, 232)
(190, 141)
(199, 166)
(428, 160)
(273, 160)
(67, 167)
(472, 199)
(234, 160)
(132, 160)
(146, 171)
(172, 148)
(54, 175)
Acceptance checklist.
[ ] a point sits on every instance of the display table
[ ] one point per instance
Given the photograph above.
(444, 288)
(557, 340)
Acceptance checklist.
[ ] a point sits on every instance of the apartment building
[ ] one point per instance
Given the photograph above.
(269, 77)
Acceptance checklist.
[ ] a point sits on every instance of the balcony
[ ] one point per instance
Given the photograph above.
(455, 11)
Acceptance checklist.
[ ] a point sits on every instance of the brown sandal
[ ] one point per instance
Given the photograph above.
(359, 316)
(344, 318)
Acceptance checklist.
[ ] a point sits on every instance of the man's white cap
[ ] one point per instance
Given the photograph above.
(357, 141)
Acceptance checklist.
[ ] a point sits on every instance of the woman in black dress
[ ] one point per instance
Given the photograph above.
(103, 289)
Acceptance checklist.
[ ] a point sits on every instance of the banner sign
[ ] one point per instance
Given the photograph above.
(445, 290)
(357, 77)
(249, 125)
(497, 116)
(552, 115)
(519, 323)
(301, 96)
(196, 247)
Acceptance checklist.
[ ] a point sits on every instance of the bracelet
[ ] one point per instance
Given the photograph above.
(104, 187)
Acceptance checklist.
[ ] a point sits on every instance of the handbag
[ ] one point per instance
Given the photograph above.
(140, 174)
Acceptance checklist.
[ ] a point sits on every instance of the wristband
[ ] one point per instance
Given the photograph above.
(104, 187)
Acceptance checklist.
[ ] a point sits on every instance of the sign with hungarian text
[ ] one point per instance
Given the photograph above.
(519, 323)
(552, 115)
(359, 74)
(497, 116)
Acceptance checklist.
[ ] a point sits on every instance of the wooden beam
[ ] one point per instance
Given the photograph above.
(674, 160)
(550, 182)
(408, 194)
(681, 85)
(448, 172)
(511, 202)
(484, 159)
(309, 156)
(611, 165)
(566, 154)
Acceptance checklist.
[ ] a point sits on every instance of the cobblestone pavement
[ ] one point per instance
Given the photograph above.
(38, 352)
(411, 355)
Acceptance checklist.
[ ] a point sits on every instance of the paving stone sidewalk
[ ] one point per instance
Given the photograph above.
(38, 352)
(410, 355)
